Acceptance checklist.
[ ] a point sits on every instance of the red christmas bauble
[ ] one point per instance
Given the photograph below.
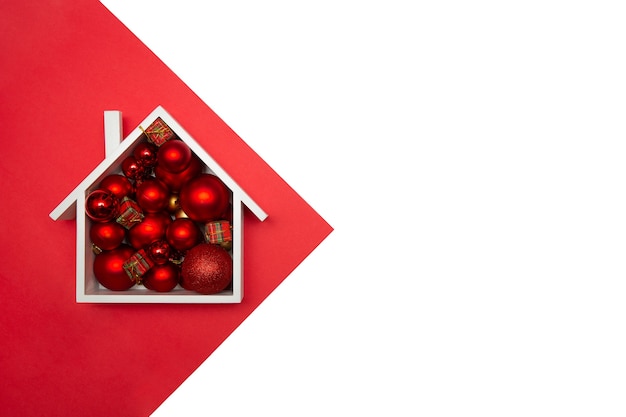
(101, 205)
(119, 185)
(133, 169)
(151, 229)
(183, 234)
(175, 181)
(107, 235)
(207, 269)
(145, 154)
(108, 268)
(162, 278)
(174, 156)
(159, 252)
(204, 198)
(152, 195)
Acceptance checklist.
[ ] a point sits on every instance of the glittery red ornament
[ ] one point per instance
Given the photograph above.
(101, 205)
(119, 185)
(107, 235)
(162, 278)
(174, 156)
(133, 169)
(207, 269)
(145, 154)
(152, 195)
(175, 181)
(183, 234)
(108, 268)
(151, 229)
(204, 198)
(159, 252)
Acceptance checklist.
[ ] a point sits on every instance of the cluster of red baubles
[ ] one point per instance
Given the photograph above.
(154, 213)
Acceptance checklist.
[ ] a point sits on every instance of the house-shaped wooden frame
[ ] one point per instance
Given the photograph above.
(88, 289)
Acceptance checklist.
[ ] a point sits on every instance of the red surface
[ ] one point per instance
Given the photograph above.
(62, 64)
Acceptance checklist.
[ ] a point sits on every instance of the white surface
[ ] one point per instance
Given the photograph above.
(470, 156)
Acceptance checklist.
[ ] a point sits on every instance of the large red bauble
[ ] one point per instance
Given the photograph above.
(151, 229)
(176, 180)
(108, 268)
(174, 156)
(204, 198)
(182, 234)
(107, 235)
(207, 269)
(152, 195)
(119, 185)
(162, 278)
(101, 205)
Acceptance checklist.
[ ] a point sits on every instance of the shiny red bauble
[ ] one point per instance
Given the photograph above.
(146, 154)
(159, 251)
(176, 180)
(119, 185)
(133, 169)
(108, 268)
(207, 269)
(162, 278)
(101, 205)
(183, 234)
(152, 195)
(107, 235)
(151, 229)
(174, 156)
(204, 198)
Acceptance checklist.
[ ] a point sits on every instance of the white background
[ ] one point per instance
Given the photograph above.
(471, 158)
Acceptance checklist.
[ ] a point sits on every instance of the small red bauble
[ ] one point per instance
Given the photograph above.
(146, 154)
(204, 198)
(119, 185)
(151, 229)
(162, 278)
(182, 234)
(101, 205)
(133, 169)
(108, 268)
(175, 181)
(159, 252)
(174, 156)
(107, 235)
(207, 269)
(152, 195)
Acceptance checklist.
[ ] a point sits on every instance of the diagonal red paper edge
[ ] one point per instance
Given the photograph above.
(63, 63)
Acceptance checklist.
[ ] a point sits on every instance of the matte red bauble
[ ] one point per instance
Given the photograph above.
(183, 234)
(204, 198)
(132, 169)
(152, 195)
(145, 154)
(175, 181)
(108, 268)
(162, 278)
(151, 229)
(107, 235)
(119, 185)
(174, 156)
(101, 205)
(207, 269)
(159, 252)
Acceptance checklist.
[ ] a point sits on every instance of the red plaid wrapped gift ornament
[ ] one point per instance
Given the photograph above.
(137, 265)
(219, 232)
(158, 132)
(129, 213)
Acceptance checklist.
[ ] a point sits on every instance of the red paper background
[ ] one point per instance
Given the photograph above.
(63, 63)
